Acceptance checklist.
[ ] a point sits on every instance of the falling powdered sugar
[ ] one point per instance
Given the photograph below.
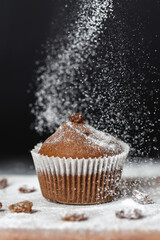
(61, 71)
(97, 67)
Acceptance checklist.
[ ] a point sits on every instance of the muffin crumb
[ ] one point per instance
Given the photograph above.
(26, 190)
(25, 207)
(75, 218)
(129, 214)
(142, 198)
(3, 183)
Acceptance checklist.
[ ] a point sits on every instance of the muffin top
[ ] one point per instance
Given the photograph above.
(76, 139)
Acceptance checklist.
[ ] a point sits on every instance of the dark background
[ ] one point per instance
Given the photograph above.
(24, 27)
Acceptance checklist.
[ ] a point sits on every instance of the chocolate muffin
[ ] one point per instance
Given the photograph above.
(79, 164)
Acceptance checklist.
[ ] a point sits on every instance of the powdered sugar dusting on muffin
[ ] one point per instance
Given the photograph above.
(99, 138)
(76, 139)
(58, 138)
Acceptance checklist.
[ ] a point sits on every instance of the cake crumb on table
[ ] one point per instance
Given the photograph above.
(3, 183)
(25, 207)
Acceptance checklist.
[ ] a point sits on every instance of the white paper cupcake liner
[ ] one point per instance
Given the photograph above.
(69, 166)
(79, 181)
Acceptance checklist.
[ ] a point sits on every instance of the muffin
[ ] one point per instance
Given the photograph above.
(79, 164)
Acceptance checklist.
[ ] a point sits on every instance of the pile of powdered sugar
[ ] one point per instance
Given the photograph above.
(47, 215)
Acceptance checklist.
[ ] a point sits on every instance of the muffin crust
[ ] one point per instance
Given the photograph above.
(76, 139)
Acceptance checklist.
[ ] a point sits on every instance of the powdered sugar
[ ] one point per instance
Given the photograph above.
(74, 49)
(98, 67)
(142, 170)
(48, 215)
(99, 138)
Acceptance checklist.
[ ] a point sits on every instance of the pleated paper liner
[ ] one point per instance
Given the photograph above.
(79, 181)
